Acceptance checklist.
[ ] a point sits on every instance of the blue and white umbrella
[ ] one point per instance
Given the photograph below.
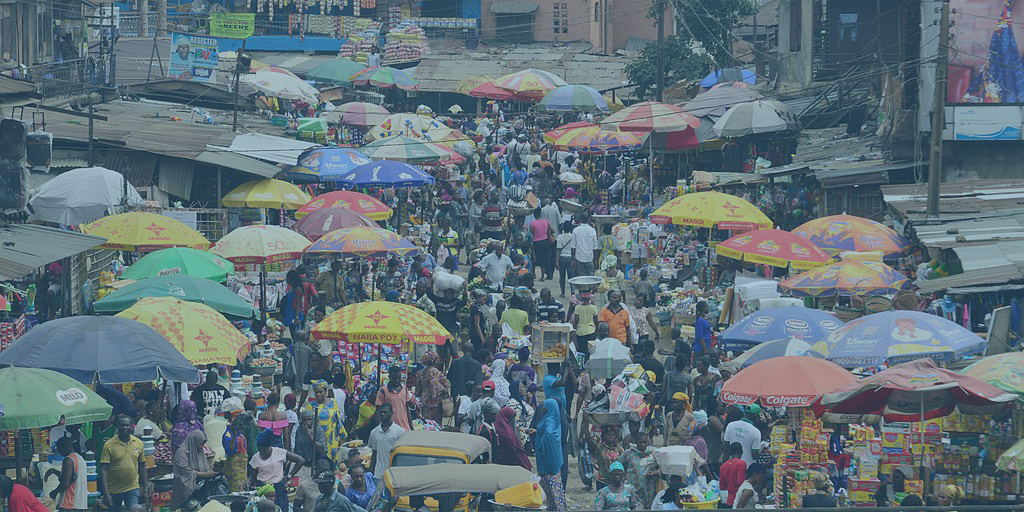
(385, 173)
(773, 349)
(327, 164)
(810, 325)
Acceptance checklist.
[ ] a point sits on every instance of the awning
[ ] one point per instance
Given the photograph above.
(242, 163)
(513, 7)
(26, 247)
(278, 150)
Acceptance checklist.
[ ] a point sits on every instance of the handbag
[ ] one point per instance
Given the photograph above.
(447, 405)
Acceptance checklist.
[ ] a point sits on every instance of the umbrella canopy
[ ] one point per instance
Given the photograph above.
(346, 199)
(597, 140)
(845, 278)
(358, 113)
(331, 163)
(746, 76)
(916, 391)
(608, 359)
(551, 136)
(362, 242)
(336, 71)
(773, 247)
(773, 349)
(385, 78)
(408, 125)
(93, 349)
(716, 102)
(573, 98)
(652, 117)
(849, 233)
(143, 232)
(180, 286)
(471, 83)
(403, 149)
(282, 85)
(1002, 371)
(198, 331)
(381, 322)
(709, 209)
(267, 193)
(533, 83)
(260, 244)
(386, 173)
(810, 325)
(754, 117)
(453, 156)
(81, 195)
(492, 92)
(323, 221)
(896, 337)
(1013, 458)
(37, 398)
(786, 381)
(571, 178)
(180, 260)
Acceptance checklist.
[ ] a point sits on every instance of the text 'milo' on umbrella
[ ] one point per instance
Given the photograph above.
(573, 98)
(323, 221)
(180, 260)
(1002, 371)
(328, 164)
(896, 337)
(787, 381)
(266, 193)
(144, 232)
(362, 242)
(837, 233)
(82, 195)
(400, 148)
(196, 330)
(259, 245)
(101, 349)
(848, 277)
(179, 286)
(357, 202)
(381, 322)
(773, 349)
(711, 209)
(774, 247)
(809, 325)
(357, 113)
(38, 398)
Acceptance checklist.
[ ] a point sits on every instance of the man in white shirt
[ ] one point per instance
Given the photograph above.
(495, 265)
(744, 432)
(383, 439)
(585, 238)
(373, 59)
(551, 213)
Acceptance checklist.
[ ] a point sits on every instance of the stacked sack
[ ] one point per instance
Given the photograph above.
(406, 42)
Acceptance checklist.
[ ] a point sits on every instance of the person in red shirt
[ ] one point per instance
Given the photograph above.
(732, 473)
(19, 498)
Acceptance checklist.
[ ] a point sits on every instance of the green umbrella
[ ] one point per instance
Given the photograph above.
(180, 260)
(179, 286)
(335, 71)
(400, 148)
(36, 398)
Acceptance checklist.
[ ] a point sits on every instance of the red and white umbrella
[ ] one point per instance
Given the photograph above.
(788, 381)
(672, 127)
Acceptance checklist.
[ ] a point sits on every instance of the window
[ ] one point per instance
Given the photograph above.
(560, 17)
(597, 11)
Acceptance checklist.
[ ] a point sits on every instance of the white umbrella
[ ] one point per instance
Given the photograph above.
(81, 195)
(755, 117)
(570, 177)
(282, 85)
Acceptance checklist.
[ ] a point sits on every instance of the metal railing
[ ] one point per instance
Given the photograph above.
(76, 76)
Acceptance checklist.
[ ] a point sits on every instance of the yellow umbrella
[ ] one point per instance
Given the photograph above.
(198, 331)
(472, 83)
(381, 322)
(268, 193)
(709, 209)
(260, 244)
(142, 231)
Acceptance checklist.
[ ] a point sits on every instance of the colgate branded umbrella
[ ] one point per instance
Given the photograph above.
(788, 381)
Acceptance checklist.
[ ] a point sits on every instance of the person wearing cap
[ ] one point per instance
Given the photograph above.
(886, 494)
(330, 499)
(747, 495)
(823, 495)
(741, 430)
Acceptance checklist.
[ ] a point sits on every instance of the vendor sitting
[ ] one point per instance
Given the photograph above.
(886, 495)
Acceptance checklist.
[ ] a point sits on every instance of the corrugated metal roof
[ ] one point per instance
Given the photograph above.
(242, 163)
(637, 44)
(513, 7)
(26, 247)
(442, 72)
(970, 232)
(996, 275)
(12, 86)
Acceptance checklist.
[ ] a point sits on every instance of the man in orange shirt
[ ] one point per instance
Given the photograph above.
(617, 318)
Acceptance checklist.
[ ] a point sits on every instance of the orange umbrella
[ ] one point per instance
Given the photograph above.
(788, 381)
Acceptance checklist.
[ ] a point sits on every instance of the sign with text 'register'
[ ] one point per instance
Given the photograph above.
(193, 58)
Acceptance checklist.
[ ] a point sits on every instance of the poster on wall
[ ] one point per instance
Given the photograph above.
(985, 64)
(193, 58)
(995, 122)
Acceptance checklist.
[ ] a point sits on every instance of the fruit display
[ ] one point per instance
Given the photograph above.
(276, 345)
(557, 351)
(264, 362)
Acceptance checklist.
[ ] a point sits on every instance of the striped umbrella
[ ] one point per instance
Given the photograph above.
(530, 82)
(335, 71)
(323, 221)
(403, 149)
(574, 98)
(772, 349)
(362, 241)
(358, 113)
(386, 78)
(551, 136)
(596, 140)
(652, 116)
(354, 201)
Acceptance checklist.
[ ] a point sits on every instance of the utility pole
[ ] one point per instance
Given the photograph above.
(660, 87)
(161, 16)
(938, 111)
(239, 59)
(143, 18)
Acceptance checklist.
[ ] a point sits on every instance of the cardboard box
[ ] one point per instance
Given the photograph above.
(864, 485)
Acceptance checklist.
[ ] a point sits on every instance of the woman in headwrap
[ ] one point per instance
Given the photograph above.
(637, 460)
(327, 413)
(432, 387)
(186, 424)
(679, 419)
(521, 371)
(695, 434)
(524, 411)
(189, 466)
(501, 384)
(236, 450)
(611, 280)
(824, 492)
(950, 495)
(549, 454)
(604, 449)
(617, 495)
(510, 451)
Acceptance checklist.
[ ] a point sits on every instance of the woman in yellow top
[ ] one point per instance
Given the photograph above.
(584, 322)
(516, 318)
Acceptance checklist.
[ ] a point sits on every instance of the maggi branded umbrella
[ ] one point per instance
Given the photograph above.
(198, 331)
(268, 193)
(142, 231)
(381, 322)
(773, 247)
(710, 209)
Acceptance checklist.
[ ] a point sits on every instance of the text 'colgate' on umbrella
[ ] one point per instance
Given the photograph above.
(788, 381)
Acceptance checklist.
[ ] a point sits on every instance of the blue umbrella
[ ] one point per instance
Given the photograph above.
(810, 325)
(385, 173)
(772, 349)
(728, 75)
(328, 164)
(897, 337)
(573, 98)
(102, 349)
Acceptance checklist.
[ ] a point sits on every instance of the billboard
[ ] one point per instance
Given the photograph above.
(985, 64)
(988, 122)
(193, 58)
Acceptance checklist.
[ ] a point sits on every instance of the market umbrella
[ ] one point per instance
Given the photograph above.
(357, 113)
(1003, 371)
(709, 209)
(726, 75)
(143, 232)
(198, 331)
(258, 244)
(753, 118)
(406, 124)
(360, 203)
(786, 381)
(774, 247)
(103, 349)
(533, 83)
(81, 195)
(772, 349)
(180, 260)
(385, 173)
(608, 359)
(37, 398)
(323, 221)
(330, 163)
(336, 71)
(180, 286)
(453, 156)
(552, 135)
(282, 85)
(837, 233)
(597, 140)
(671, 127)
(573, 98)
(848, 277)
(492, 92)
(716, 102)
(403, 149)
(266, 193)
(381, 322)
(362, 242)
(467, 84)
(1013, 458)
(898, 336)
(787, 322)
(385, 78)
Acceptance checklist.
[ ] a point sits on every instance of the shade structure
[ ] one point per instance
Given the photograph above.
(571, 178)
(93, 349)
(710, 209)
(180, 286)
(81, 195)
(328, 164)
(786, 381)
(260, 244)
(848, 277)
(552, 135)
(837, 233)
(387, 173)
(403, 149)
(38, 398)
(773, 247)
(357, 202)
(573, 98)
(597, 140)
(142, 231)
(358, 113)
(716, 102)
(281, 85)
(409, 125)
(471, 83)
(492, 92)
(773, 349)
(362, 242)
(180, 260)
(916, 391)
(335, 71)
(198, 331)
(458, 478)
(533, 83)
(896, 337)
(385, 78)
(670, 127)
(1002, 371)
(267, 193)
(805, 324)
(323, 221)
(727, 75)
(1013, 458)
(753, 118)
(381, 322)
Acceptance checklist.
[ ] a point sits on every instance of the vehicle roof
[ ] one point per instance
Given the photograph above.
(469, 445)
(454, 478)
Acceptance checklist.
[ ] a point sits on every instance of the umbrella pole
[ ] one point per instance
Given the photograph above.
(17, 455)
(650, 165)
(921, 434)
(263, 293)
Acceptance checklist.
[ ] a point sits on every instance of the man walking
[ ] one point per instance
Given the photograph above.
(383, 439)
(123, 469)
(585, 238)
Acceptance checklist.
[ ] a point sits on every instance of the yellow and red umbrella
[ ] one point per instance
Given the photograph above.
(198, 331)
(773, 247)
(837, 233)
(533, 83)
(143, 232)
(710, 209)
(856, 277)
(355, 201)
(362, 241)
(551, 136)
(597, 140)
(260, 244)
(381, 322)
